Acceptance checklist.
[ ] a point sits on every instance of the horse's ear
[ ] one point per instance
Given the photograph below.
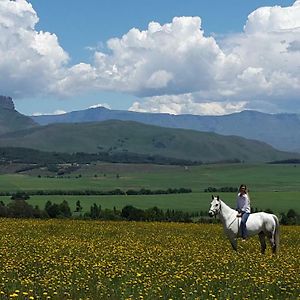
(218, 198)
(212, 197)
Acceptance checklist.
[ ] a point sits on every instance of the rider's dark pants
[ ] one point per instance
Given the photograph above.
(243, 224)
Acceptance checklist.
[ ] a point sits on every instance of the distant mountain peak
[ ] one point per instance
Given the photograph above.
(6, 102)
(99, 108)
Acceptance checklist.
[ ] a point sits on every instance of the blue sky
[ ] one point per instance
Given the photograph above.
(202, 57)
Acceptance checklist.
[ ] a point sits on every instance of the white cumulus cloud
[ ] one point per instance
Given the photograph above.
(186, 104)
(164, 59)
(267, 57)
(105, 105)
(172, 67)
(56, 112)
(30, 61)
(258, 67)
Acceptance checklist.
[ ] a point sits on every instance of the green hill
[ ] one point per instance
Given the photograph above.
(131, 137)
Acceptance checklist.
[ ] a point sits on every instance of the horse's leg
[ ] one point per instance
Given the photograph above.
(233, 243)
(262, 242)
(272, 242)
(271, 238)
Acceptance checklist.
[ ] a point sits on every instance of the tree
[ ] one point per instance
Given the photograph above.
(20, 196)
(284, 219)
(52, 209)
(64, 209)
(3, 209)
(154, 214)
(291, 214)
(292, 217)
(20, 209)
(132, 213)
(95, 211)
(78, 206)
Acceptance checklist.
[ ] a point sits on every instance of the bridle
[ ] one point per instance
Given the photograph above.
(216, 211)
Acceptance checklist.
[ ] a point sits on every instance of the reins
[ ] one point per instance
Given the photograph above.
(233, 221)
(238, 221)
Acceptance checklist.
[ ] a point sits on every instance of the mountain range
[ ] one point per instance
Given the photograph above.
(86, 132)
(116, 136)
(282, 131)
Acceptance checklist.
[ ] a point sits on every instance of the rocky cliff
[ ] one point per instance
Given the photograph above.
(7, 103)
(10, 119)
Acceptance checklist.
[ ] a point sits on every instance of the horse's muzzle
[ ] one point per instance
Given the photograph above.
(211, 213)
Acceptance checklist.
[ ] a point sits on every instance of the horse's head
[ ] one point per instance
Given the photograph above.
(215, 206)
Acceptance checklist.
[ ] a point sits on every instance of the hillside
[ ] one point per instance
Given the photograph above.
(282, 131)
(10, 119)
(122, 137)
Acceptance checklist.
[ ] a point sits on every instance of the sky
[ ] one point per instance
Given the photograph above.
(181, 57)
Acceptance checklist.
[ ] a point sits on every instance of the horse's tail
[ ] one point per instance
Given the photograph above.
(276, 234)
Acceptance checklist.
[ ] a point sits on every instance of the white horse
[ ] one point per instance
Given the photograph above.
(261, 223)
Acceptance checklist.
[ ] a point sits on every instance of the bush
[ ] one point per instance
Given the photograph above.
(132, 213)
(20, 196)
(58, 210)
(291, 218)
(20, 209)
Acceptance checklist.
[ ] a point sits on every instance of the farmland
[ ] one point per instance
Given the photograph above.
(275, 187)
(261, 177)
(65, 259)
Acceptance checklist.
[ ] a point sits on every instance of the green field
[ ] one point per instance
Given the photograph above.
(194, 202)
(276, 187)
(261, 177)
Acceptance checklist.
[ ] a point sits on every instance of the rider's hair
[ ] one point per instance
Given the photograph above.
(244, 185)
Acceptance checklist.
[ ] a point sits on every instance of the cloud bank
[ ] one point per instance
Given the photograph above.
(172, 67)
(31, 62)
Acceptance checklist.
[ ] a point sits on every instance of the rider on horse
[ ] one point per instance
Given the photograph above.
(243, 208)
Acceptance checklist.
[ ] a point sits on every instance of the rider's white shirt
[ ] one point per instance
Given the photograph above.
(243, 202)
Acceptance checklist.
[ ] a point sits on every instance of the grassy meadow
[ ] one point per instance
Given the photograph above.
(81, 259)
(68, 259)
(275, 187)
(260, 177)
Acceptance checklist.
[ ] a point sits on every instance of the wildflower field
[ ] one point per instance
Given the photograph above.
(72, 259)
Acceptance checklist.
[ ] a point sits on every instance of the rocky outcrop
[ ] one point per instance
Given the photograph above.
(7, 103)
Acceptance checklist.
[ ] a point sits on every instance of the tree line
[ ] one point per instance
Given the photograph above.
(43, 158)
(21, 209)
(21, 195)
